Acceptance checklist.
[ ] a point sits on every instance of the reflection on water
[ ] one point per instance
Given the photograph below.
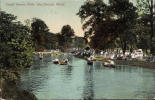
(81, 81)
(89, 85)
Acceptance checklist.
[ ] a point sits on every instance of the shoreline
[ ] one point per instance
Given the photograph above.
(136, 63)
(9, 89)
(143, 64)
(47, 53)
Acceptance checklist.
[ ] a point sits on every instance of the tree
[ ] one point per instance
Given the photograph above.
(104, 34)
(143, 36)
(28, 22)
(61, 40)
(97, 20)
(51, 41)
(15, 42)
(126, 15)
(39, 30)
(146, 8)
(103, 24)
(67, 32)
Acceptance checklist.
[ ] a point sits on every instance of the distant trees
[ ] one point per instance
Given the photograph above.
(52, 41)
(15, 42)
(67, 33)
(39, 30)
(61, 40)
(146, 10)
(43, 39)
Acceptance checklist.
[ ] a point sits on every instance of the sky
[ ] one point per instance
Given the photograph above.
(55, 13)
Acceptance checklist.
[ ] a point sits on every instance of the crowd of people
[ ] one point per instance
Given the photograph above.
(115, 54)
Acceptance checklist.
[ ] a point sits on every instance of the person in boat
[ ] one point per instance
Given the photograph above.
(90, 60)
(66, 60)
(56, 61)
(109, 63)
(40, 55)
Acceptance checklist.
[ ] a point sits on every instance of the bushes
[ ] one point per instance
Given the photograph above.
(15, 42)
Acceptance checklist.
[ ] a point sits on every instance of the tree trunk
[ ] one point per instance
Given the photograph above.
(151, 21)
(124, 48)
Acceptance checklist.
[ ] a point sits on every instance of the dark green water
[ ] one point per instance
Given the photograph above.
(79, 80)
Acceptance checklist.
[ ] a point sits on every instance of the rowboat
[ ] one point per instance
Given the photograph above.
(109, 63)
(56, 61)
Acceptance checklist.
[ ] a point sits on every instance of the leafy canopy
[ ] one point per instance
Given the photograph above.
(15, 42)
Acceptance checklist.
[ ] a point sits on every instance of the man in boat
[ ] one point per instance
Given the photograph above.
(56, 61)
(66, 60)
(40, 55)
(109, 63)
(90, 60)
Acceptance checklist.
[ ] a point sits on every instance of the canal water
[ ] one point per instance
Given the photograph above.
(81, 81)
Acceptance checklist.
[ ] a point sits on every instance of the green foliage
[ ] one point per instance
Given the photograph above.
(15, 42)
(146, 10)
(91, 13)
(52, 41)
(144, 6)
(104, 24)
(67, 31)
(79, 42)
(61, 40)
(97, 23)
(39, 30)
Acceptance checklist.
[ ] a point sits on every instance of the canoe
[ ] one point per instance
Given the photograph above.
(56, 61)
(62, 63)
(108, 64)
(90, 62)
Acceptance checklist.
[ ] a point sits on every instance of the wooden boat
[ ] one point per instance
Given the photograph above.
(40, 56)
(89, 62)
(62, 63)
(108, 63)
(92, 58)
(56, 61)
(66, 60)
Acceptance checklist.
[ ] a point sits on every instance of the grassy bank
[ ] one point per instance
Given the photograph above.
(144, 64)
(136, 63)
(130, 62)
(48, 53)
(11, 91)
(8, 88)
(101, 59)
